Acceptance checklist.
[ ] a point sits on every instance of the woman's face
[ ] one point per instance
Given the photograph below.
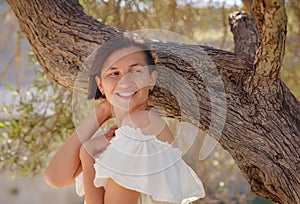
(125, 79)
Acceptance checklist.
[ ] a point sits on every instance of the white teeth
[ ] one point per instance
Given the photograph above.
(126, 94)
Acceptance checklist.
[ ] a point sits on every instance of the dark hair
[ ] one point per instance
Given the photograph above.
(109, 47)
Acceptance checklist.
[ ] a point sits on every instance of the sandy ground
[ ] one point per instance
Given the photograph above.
(34, 191)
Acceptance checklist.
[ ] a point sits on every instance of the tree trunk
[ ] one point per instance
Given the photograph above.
(256, 119)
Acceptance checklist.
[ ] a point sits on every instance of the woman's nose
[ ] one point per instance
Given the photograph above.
(126, 80)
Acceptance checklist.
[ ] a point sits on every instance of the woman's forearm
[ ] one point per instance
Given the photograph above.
(63, 167)
(92, 194)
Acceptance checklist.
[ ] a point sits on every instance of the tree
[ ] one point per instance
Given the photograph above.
(262, 122)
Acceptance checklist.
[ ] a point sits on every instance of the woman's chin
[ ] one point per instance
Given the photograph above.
(130, 108)
(124, 107)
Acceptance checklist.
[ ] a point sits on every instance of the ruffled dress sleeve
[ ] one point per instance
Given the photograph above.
(146, 164)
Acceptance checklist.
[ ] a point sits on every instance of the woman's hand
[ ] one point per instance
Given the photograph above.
(65, 164)
(97, 144)
(111, 134)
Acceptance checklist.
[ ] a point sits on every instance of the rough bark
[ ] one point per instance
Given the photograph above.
(262, 117)
(245, 35)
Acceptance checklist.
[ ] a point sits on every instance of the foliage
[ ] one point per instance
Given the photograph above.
(35, 126)
(205, 24)
(41, 120)
(182, 17)
(291, 67)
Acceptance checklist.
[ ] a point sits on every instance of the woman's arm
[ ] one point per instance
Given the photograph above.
(65, 165)
(88, 151)
(118, 194)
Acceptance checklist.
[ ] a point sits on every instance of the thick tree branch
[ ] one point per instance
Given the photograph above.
(271, 20)
(65, 34)
(245, 35)
(262, 120)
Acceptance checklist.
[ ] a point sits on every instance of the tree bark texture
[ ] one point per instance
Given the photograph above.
(261, 116)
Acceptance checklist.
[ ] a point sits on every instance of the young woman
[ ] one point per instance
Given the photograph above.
(134, 162)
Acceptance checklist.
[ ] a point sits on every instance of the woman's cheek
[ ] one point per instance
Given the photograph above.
(111, 80)
(143, 82)
(110, 83)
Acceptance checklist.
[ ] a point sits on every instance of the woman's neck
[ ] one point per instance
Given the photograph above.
(119, 114)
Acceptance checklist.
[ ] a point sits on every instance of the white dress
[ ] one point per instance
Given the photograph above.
(145, 164)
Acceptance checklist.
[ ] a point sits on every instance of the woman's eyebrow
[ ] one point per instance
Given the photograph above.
(136, 64)
(109, 69)
(115, 68)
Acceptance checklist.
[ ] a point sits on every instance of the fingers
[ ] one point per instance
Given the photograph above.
(96, 145)
(111, 133)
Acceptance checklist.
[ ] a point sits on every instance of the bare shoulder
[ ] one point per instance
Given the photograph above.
(150, 123)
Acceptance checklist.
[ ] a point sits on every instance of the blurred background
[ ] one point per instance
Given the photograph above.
(36, 115)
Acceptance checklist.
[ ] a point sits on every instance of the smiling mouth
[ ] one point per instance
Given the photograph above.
(126, 94)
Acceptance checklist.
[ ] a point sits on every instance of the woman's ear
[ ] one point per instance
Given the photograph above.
(98, 81)
(154, 76)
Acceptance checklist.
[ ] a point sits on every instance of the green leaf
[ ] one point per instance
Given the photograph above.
(10, 87)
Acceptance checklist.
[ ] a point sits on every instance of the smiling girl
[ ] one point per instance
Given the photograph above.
(135, 162)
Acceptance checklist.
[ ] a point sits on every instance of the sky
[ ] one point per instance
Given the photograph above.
(228, 3)
(233, 2)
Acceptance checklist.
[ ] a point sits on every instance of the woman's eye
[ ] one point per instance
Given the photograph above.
(136, 71)
(113, 74)
(137, 68)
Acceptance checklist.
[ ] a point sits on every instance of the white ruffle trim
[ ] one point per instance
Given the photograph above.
(145, 164)
(133, 153)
